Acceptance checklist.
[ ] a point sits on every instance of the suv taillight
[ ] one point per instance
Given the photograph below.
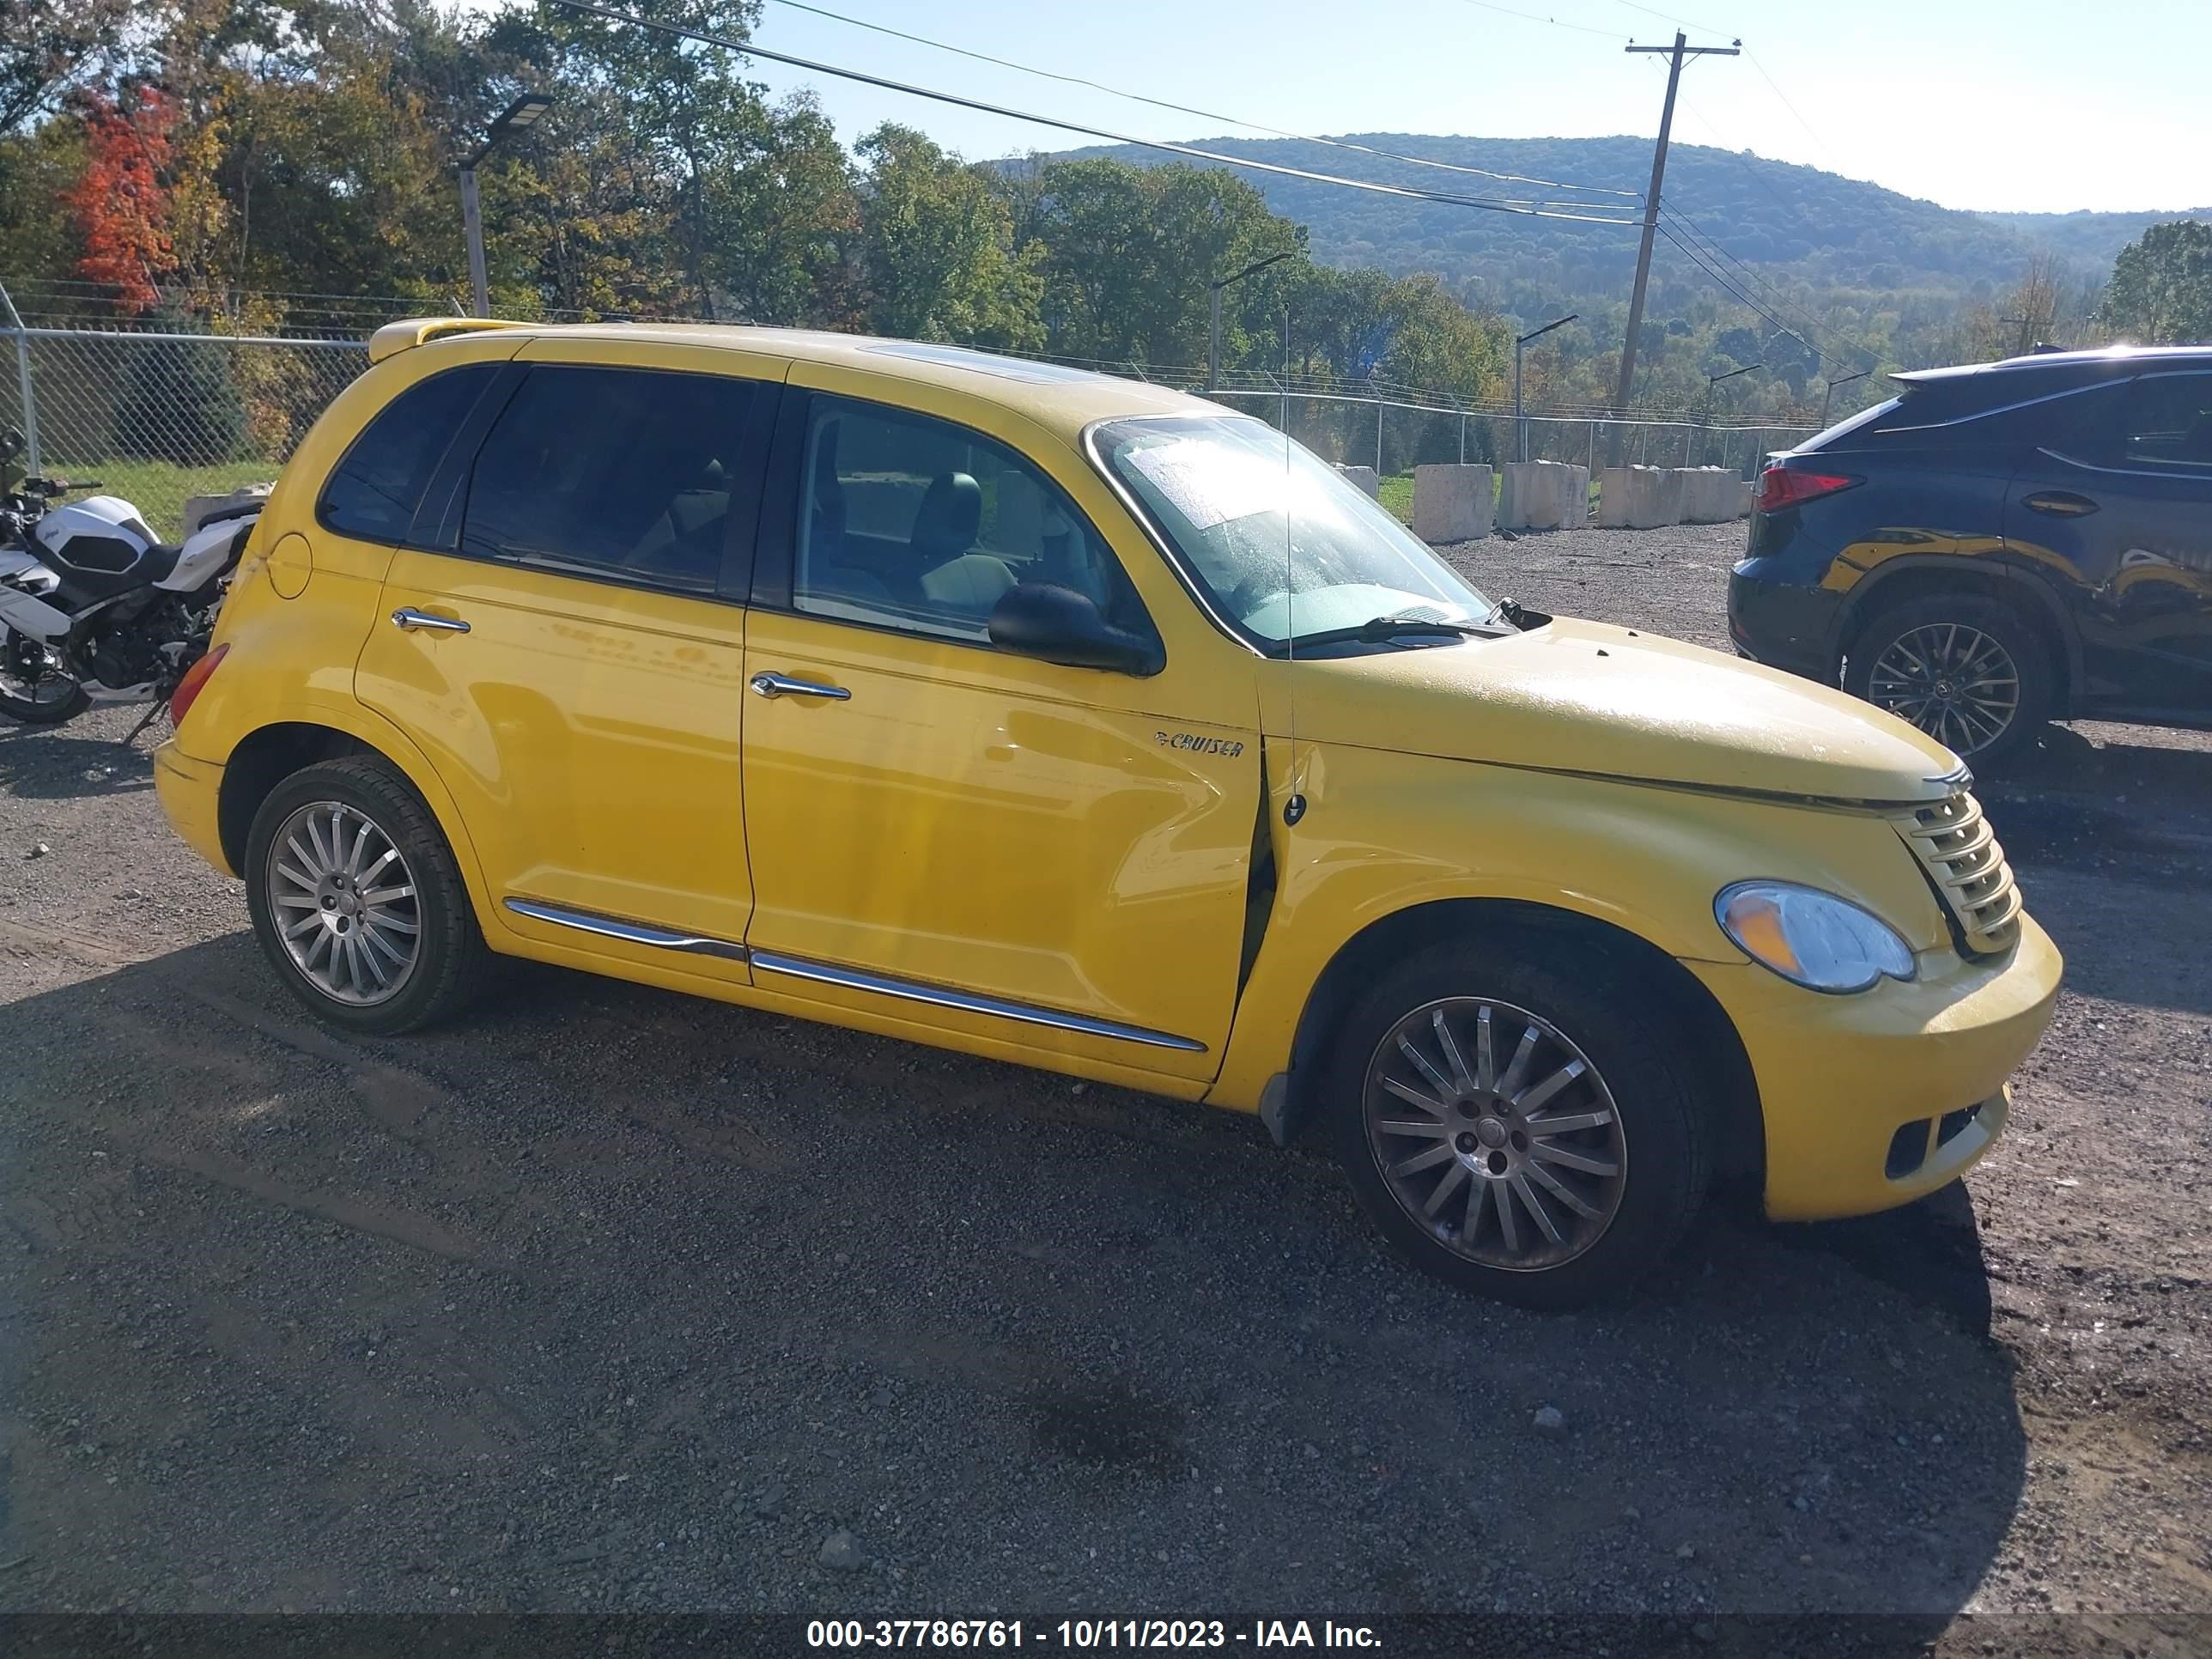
(188, 687)
(1780, 487)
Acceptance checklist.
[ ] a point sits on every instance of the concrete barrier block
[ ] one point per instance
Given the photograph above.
(1452, 503)
(1639, 497)
(1543, 496)
(1365, 477)
(1705, 495)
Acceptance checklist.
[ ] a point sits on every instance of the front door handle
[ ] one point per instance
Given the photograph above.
(782, 685)
(2060, 504)
(408, 619)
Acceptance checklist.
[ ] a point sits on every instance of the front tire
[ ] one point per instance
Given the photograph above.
(358, 901)
(1971, 672)
(1517, 1118)
(33, 689)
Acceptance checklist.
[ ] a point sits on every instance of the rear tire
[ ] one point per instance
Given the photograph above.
(358, 901)
(1955, 665)
(1591, 1156)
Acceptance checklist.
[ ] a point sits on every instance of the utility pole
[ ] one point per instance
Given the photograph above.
(1677, 53)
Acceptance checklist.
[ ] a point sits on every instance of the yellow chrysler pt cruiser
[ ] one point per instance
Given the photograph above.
(1073, 721)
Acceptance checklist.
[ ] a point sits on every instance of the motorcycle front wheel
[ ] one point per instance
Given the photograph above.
(35, 688)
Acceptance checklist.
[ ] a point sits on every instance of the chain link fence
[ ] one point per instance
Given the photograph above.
(157, 416)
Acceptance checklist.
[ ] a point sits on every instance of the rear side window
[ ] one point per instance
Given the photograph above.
(2162, 423)
(611, 472)
(374, 492)
(1853, 423)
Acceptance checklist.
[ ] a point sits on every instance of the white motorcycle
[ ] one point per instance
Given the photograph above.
(94, 607)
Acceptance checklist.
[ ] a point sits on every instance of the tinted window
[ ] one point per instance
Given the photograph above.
(919, 523)
(611, 472)
(2161, 422)
(375, 489)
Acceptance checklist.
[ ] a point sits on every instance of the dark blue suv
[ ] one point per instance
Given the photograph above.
(1997, 545)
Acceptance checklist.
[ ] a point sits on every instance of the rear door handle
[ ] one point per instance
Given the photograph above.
(408, 619)
(782, 685)
(2060, 504)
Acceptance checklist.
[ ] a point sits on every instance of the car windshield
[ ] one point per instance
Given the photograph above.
(1281, 542)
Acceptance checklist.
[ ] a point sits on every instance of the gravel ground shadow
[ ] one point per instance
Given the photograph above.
(608, 1299)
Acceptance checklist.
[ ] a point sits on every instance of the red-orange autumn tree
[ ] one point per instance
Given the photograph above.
(120, 203)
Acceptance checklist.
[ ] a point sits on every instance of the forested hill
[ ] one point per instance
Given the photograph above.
(1796, 222)
(2097, 237)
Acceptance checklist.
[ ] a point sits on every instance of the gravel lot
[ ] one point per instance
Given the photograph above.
(612, 1299)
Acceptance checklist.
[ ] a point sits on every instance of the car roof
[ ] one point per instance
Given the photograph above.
(1062, 398)
(2112, 361)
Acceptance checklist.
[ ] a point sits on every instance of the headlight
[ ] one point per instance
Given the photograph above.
(1811, 938)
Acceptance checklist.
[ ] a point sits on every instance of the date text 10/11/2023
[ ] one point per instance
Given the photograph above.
(1085, 1633)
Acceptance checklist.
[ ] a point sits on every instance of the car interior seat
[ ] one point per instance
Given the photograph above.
(686, 540)
(956, 575)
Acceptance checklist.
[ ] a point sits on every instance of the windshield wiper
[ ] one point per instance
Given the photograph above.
(1378, 630)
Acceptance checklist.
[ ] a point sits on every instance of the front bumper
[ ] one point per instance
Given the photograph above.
(1871, 1101)
(190, 792)
(1785, 625)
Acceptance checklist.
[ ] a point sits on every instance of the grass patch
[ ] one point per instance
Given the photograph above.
(158, 489)
(1396, 494)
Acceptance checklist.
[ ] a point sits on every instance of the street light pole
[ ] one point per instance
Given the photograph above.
(1829, 391)
(1712, 380)
(1213, 318)
(1520, 423)
(518, 116)
(472, 230)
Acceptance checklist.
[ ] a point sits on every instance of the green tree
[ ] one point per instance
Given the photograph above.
(2161, 288)
(1129, 253)
(784, 223)
(937, 254)
(47, 46)
(179, 404)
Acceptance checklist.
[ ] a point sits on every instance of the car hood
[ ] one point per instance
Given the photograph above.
(1587, 697)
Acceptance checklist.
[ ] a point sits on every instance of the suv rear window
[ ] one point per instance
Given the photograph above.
(374, 492)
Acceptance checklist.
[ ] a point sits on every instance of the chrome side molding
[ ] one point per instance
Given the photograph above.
(630, 932)
(907, 990)
(851, 979)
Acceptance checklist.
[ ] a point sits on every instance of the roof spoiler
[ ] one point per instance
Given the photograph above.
(395, 338)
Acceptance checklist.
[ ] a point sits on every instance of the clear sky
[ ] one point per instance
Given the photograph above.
(2029, 105)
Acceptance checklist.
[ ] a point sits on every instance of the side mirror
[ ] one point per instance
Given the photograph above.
(1058, 624)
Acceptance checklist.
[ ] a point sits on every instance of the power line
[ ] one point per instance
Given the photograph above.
(1412, 192)
(1533, 17)
(1791, 107)
(1690, 251)
(1186, 109)
(1773, 289)
(1669, 17)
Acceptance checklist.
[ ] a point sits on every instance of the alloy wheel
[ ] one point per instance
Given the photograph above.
(32, 674)
(343, 902)
(1495, 1134)
(1955, 683)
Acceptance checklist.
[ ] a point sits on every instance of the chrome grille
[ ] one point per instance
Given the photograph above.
(1953, 842)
